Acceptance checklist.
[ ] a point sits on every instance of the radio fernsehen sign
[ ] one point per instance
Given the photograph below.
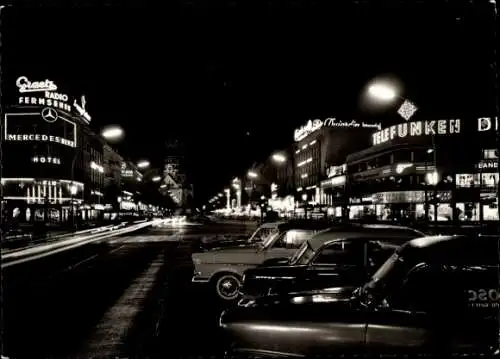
(42, 93)
(430, 128)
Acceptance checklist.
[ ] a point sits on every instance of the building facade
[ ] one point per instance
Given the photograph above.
(52, 162)
(321, 146)
(444, 170)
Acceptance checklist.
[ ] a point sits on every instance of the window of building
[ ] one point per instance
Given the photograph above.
(467, 180)
(468, 211)
(490, 154)
(489, 179)
(490, 211)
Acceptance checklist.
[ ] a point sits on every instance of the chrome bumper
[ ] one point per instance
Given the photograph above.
(197, 278)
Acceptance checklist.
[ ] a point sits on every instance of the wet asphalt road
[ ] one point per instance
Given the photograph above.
(124, 297)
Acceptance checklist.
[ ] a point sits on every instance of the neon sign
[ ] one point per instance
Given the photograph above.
(415, 129)
(486, 124)
(81, 109)
(26, 85)
(39, 138)
(23, 100)
(306, 130)
(56, 96)
(43, 159)
(332, 122)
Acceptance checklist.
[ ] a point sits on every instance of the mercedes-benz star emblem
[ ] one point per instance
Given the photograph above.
(49, 114)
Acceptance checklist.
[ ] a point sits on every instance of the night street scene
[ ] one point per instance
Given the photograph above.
(261, 179)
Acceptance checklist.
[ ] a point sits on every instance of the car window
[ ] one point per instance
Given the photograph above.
(292, 239)
(341, 252)
(263, 233)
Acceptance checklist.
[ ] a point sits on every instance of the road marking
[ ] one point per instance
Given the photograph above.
(108, 336)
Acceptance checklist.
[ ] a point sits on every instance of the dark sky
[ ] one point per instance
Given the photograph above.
(211, 75)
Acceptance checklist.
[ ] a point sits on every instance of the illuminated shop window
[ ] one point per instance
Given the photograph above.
(490, 212)
(444, 212)
(467, 180)
(355, 212)
(489, 179)
(468, 211)
(490, 154)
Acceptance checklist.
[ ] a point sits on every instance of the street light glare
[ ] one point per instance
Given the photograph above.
(279, 158)
(112, 133)
(156, 178)
(252, 174)
(143, 164)
(382, 92)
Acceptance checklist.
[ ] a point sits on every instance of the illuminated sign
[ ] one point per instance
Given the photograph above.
(56, 96)
(25, 85)
(306, 130)
(415, 129)
(39, 138)
(23, 100)
(334, 181)
(21, 129)
(81, 109)
(333, 171)
(48, 159)
(486, 124)
(333, 122)
(487, 164)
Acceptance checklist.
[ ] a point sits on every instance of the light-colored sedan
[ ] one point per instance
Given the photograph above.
(223, 268)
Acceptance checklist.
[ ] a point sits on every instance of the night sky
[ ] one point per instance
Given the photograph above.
(234, 81)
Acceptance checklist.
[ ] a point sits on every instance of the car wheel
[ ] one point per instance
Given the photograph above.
(227, 286)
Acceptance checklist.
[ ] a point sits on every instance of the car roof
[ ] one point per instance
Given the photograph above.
(453, 249)
(366, 232)
(271, 224)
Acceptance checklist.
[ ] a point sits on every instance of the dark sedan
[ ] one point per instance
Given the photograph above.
(434, 295)
(344, 256)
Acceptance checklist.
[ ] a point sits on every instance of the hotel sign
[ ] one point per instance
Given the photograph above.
(417, 128)
(44, 159)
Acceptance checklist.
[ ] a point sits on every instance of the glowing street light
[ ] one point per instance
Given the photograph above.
(279, 158)
(143, 164)
(252, 174)
(156, 178)
(163, 186)
(382, 92)
(113, 133)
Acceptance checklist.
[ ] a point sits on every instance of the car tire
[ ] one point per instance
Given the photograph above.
(227, 286)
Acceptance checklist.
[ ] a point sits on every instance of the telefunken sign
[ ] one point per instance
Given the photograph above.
(314, 125)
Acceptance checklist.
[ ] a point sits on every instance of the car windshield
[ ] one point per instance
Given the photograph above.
(271, 239)
(303, 255)
(262, 234)
(383, 276)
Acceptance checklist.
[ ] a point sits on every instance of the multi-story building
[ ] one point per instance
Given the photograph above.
(321, 144)
(112, 175)
(175, 176)
(442, 170)
(52, 161)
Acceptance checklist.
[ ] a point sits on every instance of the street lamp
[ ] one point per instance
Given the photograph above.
(156, 179)
(252, 174)
(382, 91)
(279, 158)
(143, 164)
(113, 133)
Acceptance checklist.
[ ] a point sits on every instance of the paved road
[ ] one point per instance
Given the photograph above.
(126, 297)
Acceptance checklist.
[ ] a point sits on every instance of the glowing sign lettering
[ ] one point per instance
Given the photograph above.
(486, 124)
(415, 129)
(39, 138)
(81, 109)
(333, 122)
(306, 130)
(50, 160)
(487, 165)
(45, 102)
(56, 96)
(25, 85)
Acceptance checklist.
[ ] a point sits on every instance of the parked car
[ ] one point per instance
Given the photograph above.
(261, 233)
(343, 256)
(434, 295)
(223, 268)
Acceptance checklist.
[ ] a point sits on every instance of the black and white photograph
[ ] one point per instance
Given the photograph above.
(250, 179)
